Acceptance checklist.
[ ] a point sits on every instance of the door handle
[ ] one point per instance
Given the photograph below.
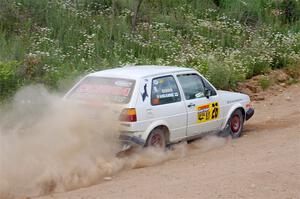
(191, 105)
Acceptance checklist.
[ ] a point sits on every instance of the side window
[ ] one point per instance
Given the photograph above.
(164, 91)
(192, 86)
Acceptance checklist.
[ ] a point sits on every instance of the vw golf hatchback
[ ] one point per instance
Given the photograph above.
(161, 105)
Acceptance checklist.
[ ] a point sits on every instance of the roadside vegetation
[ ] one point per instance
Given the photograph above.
(53, 42)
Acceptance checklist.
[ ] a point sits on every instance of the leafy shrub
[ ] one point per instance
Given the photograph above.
(219, 75)
(227, 41)
(10, 79)
(290, 11)
(264, 82)
(293, 70)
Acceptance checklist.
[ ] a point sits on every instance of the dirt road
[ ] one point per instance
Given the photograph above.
(264, 163)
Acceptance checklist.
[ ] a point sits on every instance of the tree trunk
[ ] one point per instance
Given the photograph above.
(113, 19)
(137, 6)
(217, 3)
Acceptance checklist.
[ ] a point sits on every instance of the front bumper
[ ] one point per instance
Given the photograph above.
(249, 113)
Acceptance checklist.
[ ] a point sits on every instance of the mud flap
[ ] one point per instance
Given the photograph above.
(129, 145)
(128, 150)
(225, 132)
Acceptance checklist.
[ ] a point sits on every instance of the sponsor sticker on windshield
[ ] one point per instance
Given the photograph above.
(103, 89)
(114, 90)
(123, 83)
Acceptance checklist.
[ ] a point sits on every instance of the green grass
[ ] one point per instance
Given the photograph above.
(56, 40)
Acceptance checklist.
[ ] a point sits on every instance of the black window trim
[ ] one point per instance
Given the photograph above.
(214, 90)
(174, 78)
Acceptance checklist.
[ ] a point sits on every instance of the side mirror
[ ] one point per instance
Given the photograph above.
(207, 93)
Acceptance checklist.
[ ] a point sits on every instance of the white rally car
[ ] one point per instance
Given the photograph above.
(162, 105)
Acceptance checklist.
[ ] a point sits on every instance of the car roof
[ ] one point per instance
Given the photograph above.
(141, 71)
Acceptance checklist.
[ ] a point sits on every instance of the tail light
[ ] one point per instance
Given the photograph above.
(128, 115)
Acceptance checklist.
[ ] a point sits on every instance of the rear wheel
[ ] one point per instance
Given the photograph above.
(156, 139)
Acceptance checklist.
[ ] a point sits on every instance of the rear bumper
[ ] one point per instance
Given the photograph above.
(249, 113)
(131, 140)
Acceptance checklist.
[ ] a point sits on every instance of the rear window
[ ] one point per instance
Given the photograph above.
(104, 89)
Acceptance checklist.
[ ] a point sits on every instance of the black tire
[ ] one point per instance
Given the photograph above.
(234, 126)
(156, 139)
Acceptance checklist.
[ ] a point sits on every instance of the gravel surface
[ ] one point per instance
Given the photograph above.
(264, 163)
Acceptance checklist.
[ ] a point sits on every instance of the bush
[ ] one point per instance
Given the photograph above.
(219, 75)
(293, 70)
(227, 41)
(264, 82)
(10, 79)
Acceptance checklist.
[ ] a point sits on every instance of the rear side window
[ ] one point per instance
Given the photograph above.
(164, 91)
(192, 86)
(104, 89)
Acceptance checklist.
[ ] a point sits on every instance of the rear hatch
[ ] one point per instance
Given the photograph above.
(102, 96)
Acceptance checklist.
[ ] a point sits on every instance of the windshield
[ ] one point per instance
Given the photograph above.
(104, 89)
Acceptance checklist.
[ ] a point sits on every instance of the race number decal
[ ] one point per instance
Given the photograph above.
(208, 112)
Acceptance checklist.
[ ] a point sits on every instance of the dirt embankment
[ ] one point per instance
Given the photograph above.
(264, 163)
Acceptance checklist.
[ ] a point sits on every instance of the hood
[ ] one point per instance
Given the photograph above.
(228, 95)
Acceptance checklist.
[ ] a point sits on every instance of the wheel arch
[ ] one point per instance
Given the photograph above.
(161, 125)
(232, 109)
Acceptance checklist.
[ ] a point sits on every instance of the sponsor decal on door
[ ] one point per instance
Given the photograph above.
(208, 112)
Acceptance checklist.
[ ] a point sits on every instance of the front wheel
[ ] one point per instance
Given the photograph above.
(235, 124)
(156, 139)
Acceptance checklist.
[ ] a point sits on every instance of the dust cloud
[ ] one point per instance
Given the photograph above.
(48, 145)
(209, 142)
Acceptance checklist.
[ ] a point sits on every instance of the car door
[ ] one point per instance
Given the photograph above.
(203, 112)
(168, 105)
